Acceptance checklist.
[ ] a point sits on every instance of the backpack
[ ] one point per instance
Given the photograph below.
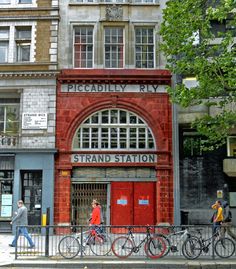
(227, 212)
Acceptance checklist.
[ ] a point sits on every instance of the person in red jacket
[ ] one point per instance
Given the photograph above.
(96, 214)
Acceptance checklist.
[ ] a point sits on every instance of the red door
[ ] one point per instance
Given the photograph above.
(121, 203)
(144, 203)
(133, 203)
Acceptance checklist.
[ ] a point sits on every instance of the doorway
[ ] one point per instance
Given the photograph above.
(32, 195)
(82, 195)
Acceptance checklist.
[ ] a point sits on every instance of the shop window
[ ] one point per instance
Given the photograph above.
(113, 129)
(144, 47)
(83, 47)
(6, 188)
(4, 44)
(114, 47)
(231, 146)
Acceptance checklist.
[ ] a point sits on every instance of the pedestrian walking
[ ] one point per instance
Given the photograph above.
(21, 219)
(217, 217)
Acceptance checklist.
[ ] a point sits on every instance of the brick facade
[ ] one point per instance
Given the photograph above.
(74, 108)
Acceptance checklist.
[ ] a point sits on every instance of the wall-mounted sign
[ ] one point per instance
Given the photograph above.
(113, 158)
(143, 202)
(34, 121)
(220, 194)
(7, 199)
(99, 88)
(122, 202)
(6, 211)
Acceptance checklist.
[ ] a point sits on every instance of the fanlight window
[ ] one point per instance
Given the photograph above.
(113, 129)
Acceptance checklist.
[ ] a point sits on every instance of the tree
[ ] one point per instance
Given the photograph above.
(198, 40)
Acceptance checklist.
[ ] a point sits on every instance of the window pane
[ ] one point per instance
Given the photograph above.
(105, 116)
(25, 1)
(4, 2)
(23, 53)
(3, 52)
(94, 134)
(12, 119)
(23, 33)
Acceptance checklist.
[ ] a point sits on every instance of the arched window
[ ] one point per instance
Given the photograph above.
(113, 129)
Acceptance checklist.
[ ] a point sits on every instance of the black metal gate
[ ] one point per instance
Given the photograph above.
(82, 195)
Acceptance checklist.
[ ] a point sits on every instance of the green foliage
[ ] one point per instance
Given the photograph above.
(189, 43)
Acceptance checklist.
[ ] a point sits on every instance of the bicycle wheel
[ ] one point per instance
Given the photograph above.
(167, 243)
(155, 247)
(122, 247)
(224, 247)
(100, 245)
(192, 248)
(69, 247)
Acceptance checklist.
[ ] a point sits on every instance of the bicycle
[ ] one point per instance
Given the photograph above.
(124, 246)
(171, 240)
(98, 242)
(224, 247)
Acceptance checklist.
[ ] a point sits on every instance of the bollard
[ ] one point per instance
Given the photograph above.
(47, 232)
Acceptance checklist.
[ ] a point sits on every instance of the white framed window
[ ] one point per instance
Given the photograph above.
(113, 129)
(4, 44)
(83, 47)
(144, 47)
(23, 43)
(9, 116)
(114, 47)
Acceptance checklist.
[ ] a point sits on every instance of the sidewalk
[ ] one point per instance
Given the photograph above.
(7, 260)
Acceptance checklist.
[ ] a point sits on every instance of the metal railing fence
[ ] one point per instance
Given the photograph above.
(47, 241)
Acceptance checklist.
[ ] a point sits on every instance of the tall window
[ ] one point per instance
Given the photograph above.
(83, 47)
(4, 44)
(144, 47)
(114, 47)
(9, 116)
(113, 129)
(23, 44)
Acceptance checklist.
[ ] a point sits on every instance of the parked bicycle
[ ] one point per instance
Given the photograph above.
(174, 240)
(97, 241)
(124, 246)
(224, 247)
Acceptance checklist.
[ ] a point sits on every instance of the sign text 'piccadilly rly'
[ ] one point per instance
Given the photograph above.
(122, 88)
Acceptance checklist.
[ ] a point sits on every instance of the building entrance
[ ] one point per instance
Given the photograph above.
(32, 195)
(82, 195)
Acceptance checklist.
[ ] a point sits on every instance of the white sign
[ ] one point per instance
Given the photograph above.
(6, 199)
(113, 158)
(34, 121)
(98, 88)
(6, 210)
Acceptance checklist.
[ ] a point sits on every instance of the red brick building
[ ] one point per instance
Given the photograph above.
(114, 141)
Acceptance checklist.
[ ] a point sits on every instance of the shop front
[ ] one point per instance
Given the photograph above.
(26, 176)
(114, 141)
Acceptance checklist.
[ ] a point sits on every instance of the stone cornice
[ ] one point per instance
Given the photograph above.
(52, 74)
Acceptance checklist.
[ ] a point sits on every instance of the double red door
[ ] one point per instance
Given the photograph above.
(133, 203)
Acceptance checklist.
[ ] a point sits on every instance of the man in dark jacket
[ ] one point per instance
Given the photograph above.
(21, 219)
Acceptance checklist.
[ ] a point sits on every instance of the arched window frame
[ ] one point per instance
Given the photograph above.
(114, 129)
